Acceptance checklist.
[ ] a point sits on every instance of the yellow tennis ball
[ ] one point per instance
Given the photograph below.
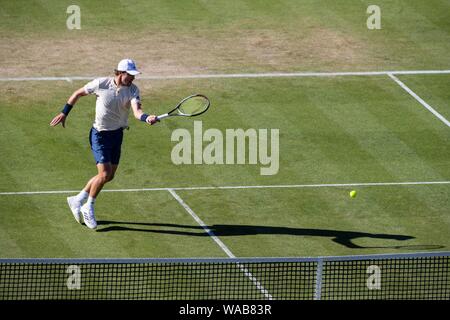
(353, 193)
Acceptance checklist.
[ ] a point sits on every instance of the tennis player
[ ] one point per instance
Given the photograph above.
(115, 96)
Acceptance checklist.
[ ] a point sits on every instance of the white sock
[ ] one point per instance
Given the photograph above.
(91, 201)
(82, 196)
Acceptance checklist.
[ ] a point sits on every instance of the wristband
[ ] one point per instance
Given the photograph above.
(67, 109)
(144, 117)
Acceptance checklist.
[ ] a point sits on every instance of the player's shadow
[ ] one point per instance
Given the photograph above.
(344, 238)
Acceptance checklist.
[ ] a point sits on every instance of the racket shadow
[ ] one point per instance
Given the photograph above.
(344, 238)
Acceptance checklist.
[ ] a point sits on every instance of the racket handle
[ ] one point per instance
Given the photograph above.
(162, 116)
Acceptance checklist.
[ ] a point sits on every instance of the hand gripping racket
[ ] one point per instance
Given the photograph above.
(191, 106)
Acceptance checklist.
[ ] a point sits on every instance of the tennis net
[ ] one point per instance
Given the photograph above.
(402, 276)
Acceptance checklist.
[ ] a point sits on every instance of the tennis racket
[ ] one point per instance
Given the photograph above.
(191, 106)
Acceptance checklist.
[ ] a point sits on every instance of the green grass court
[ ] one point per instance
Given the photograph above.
(333, 130)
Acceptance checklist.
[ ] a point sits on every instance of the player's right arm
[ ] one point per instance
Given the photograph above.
(61, 117)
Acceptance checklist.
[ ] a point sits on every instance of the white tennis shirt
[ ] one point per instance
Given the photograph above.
(113, 103)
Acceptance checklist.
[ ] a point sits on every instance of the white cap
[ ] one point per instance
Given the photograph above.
(129, 66)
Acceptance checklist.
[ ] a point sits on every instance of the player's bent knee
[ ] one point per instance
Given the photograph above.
(106, 176)
(109, 177)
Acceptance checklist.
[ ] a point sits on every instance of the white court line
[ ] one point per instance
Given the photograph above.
(368, 184)
(238, 75)
(202, 224)
(421, 101)
(220, 243)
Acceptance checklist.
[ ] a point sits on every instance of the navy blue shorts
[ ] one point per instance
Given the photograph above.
(106, 145)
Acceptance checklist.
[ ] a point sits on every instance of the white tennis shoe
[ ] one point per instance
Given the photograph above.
(88, 216)
(75, 207)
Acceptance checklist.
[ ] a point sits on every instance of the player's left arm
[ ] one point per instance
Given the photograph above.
(139, 113)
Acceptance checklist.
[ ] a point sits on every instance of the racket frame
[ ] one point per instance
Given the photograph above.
(172, 112)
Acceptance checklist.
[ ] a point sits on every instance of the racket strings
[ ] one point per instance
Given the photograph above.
(193, 106)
